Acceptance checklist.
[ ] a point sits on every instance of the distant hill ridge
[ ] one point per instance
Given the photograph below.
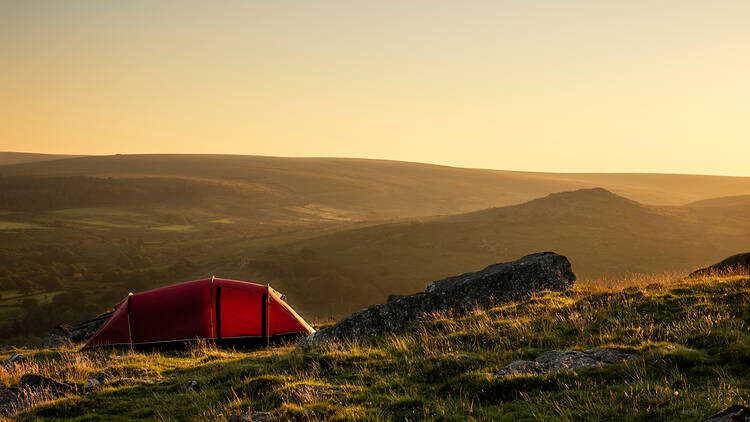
(381, 189)
(8, 158)
(604, 234)
(726, 201)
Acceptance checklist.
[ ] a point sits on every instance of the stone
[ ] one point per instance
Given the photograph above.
(734, 265)
(189, 386)
(65, 335)
(11, 400)
(519, 367)
(14, 360)
(252, 416)
(59, 337)
(32, 390)
(565, 360)
(79, 360)
(96, 379)
(37, 382)
(83, 331)
(482, 289)
(309, 391)
(734, 413)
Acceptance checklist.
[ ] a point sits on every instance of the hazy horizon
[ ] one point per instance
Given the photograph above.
(77, 155)
(579, 86)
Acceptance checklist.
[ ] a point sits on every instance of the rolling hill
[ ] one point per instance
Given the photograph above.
(605, 235)
(690, 339)
(328, 189)
(334, 234)
(7, 158)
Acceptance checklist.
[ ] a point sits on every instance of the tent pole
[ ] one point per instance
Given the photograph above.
(130, 330)
(267, 305)
(211, 305)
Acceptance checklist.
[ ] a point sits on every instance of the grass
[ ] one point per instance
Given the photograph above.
(13, 225)
(692, 336)
(87, 212)
(175, 227)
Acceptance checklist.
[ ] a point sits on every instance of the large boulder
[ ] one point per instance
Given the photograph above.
(496, 283)
(734, 265)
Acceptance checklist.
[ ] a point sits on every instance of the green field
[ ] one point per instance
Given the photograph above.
(691, 337)
(88, 212)
(12, 225)
(333, 234)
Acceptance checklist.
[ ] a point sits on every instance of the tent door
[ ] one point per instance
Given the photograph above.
(239, 313)
(218, 313)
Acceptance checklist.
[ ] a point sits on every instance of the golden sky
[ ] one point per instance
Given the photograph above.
(547, 85)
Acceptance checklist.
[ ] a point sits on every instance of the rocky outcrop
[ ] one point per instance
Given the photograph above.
(60, 336)
(65, 335)
(14, 360)
(734, 265)
(496, 283)
(32, 389)
(565, 360)
(735, 413)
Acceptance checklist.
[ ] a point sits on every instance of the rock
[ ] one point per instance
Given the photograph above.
(14, 360)
(519, 367)
(38, 382)
(310, 392)
(189, 386)
(496, 283)
(565, 360)
(131, 381)
(734, 413)
(83, 331)
(11, 401)
(32, 390)
(59, 337)
(65, 335)
(734, 265)
(79, 360)
(252, 416)
(96, 379)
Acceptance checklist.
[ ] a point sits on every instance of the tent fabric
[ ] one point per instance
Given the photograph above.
(212, 308)
(117, 327)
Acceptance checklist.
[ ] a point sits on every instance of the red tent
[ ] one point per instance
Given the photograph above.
(212, 308)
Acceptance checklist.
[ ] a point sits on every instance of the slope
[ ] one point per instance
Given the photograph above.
(377, 189)
(605, 235)
(7, 157)
(691, 339)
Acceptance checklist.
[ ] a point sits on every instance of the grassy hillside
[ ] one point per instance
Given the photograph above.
(692, 339)
(376, 189)
(77, 234)
(76, 262)
(29, 157)
(726, 201)
(605, 235)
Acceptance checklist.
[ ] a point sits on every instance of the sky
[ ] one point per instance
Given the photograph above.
(537, 85)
